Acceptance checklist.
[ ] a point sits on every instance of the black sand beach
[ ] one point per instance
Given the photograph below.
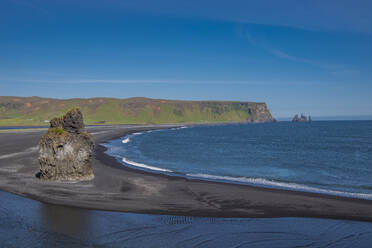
(118, 188)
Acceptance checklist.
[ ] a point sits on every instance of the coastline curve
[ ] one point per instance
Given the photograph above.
(118, 188)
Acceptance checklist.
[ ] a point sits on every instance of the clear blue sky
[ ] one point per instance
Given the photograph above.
(297, 55)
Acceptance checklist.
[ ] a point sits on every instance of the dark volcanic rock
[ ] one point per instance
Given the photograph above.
(298, 119)
(55, 122)
(65, 151)
(73, 121)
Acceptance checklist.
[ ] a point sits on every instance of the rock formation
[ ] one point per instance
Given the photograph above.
(303, 118)
(65, 151)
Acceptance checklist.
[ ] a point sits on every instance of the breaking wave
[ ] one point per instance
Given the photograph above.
(144, 166)
(280, 185)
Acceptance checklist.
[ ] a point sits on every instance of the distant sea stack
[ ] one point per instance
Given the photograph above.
(38, 111)
(65, 151)
(303, 118)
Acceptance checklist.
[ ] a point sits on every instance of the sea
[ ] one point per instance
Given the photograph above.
(328, 157)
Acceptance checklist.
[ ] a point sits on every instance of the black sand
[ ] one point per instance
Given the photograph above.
(118, 188)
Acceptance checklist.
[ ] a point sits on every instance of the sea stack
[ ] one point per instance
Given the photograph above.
(66, 150)
(303, 118)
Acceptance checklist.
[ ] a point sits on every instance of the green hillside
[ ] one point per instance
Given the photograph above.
(38, 111)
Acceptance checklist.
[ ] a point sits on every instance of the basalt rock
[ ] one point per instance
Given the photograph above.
(66, 150)
(73, 121)
(303, 118)
(296, 118)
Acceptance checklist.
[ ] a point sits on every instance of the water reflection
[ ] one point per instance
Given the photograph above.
(74, 222)
(28, 223)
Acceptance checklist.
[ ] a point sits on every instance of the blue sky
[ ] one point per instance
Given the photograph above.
(296, 55)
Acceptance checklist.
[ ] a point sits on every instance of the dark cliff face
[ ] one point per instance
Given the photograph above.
(262, 114)
(65, 151)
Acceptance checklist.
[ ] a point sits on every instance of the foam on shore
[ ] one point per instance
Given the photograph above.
(280, 185)
(144, 166)
(262, 182)
(127, 138)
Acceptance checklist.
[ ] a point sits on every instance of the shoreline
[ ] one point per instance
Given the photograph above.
(120, 188)
(270, 184)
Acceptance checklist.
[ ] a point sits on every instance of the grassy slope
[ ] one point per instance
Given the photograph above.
(38, 111)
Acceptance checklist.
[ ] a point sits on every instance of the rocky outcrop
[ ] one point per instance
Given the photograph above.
(65, 151)
(303, 118)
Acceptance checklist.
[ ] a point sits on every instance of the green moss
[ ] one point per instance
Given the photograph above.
(58, 130)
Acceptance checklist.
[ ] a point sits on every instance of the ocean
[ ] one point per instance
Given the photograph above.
(329, 157)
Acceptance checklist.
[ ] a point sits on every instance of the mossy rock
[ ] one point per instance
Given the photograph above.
(66, 150)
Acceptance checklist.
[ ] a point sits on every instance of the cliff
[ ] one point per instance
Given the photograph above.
(38, 111)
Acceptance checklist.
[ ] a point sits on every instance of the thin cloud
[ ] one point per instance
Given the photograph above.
(286, 56)
(283, 55)
(323, 15)
(127, 81)
(147, 81)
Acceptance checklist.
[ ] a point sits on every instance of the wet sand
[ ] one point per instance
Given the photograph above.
(118, 188)
(28, 223)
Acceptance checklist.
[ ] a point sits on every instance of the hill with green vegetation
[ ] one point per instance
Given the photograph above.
(30, 111)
